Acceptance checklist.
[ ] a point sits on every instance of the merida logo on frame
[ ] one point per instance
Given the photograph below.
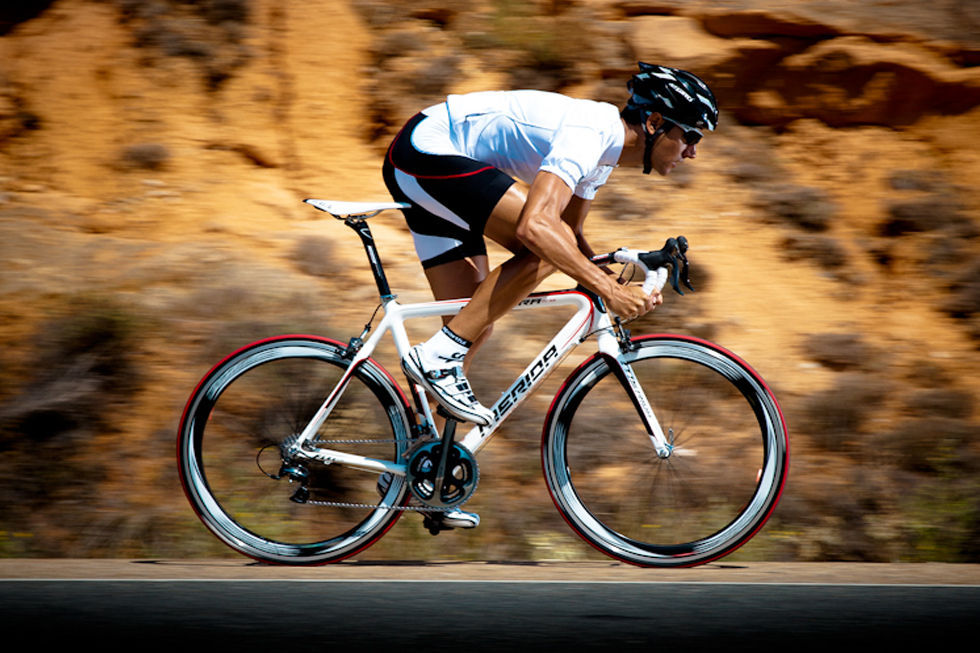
(523, 384)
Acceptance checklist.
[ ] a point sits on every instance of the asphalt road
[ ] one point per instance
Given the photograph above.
(237, 606)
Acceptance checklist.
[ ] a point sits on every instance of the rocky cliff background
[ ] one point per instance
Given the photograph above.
(153, 155)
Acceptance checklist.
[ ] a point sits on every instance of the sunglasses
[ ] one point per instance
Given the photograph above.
(692, 136)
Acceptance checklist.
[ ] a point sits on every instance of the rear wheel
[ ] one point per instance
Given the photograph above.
(233, 433)
(711, 495)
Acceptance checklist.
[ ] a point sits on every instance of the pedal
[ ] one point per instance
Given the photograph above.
(434, 524)
(447, 521)
(442, 412)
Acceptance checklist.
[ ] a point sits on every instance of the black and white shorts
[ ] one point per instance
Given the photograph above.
(451, 195)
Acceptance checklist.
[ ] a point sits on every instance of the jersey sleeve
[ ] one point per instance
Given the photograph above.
(587, 188)
(574, 157)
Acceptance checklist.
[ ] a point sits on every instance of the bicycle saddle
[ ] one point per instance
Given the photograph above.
(357, 209)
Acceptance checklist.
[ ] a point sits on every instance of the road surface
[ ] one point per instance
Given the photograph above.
(236, 605)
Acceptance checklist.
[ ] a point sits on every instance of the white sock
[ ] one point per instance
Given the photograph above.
(445, 347)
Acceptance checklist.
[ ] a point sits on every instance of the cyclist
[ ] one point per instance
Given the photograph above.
(456, 162)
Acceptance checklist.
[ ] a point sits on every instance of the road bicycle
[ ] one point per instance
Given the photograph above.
(659, 450)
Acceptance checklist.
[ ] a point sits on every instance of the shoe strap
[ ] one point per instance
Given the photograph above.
(435, 375)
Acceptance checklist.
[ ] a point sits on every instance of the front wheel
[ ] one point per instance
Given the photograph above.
(721, 481)
(240, 420)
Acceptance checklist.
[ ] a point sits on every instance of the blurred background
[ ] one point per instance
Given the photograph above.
(153, 159)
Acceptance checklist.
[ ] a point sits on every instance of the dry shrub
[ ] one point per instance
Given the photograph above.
(223, 11)
(918, 180)
(804, 207)
(839, 351)
(623, 205)
(941, 519)
(436, 75)
(938, 435)
(930, 203)
(532, 40)
(752, 172)
(209, 32)
(16, 117)
(397, 43)
(928, 374)
(940, 402)
(834, 418)
(79, 387)
(418, 50)
(933, 213)
(84, 366)
(931, 445)
(964, 300)
(314, 256)
(822, 250)
(380, 14)
(144, 156)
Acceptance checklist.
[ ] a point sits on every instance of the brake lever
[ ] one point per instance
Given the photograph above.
(671, 255)
(686, 268)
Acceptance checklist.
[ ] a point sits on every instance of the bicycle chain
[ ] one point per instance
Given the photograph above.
(373, 506)
(362, 441)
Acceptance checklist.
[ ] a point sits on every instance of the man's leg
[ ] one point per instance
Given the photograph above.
(507, 284)
(451, 281)
(459, 279)
(440, 363)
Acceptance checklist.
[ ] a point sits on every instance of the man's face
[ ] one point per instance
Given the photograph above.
(670, 150)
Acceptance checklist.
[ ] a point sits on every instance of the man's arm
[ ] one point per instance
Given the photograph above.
(574, 216)
(551, 227)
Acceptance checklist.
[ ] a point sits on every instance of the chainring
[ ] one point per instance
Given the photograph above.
(459, 480)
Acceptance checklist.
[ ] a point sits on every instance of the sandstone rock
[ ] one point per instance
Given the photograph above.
(854, 80)
(684, 43)
(765, 24)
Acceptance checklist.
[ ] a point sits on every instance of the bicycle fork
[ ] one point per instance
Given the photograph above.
(613, 349)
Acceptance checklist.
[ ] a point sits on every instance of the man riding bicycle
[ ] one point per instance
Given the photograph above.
(456, 162)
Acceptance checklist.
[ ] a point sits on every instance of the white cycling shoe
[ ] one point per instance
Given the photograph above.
(457, 518)
(454, 518)
(448, 385)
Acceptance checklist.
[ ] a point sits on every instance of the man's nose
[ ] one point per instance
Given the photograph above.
(690, 151)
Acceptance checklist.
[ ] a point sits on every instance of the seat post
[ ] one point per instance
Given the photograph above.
(364, 232)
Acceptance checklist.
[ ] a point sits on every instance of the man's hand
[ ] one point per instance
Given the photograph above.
(630, 302)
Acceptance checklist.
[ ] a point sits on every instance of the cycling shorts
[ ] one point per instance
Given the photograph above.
(451, 195)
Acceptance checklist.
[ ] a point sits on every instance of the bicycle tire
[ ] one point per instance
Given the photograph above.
(228, 451)
(715, 491)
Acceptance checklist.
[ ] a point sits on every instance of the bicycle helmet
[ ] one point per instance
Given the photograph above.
(682, 98)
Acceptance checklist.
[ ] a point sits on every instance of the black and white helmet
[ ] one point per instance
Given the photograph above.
(681, 97)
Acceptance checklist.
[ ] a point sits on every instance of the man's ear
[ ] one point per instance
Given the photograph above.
(654, 120)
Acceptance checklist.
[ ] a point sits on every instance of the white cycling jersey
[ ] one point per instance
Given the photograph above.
(522, 132)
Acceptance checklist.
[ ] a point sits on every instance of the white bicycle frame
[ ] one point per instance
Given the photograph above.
(588, 319)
